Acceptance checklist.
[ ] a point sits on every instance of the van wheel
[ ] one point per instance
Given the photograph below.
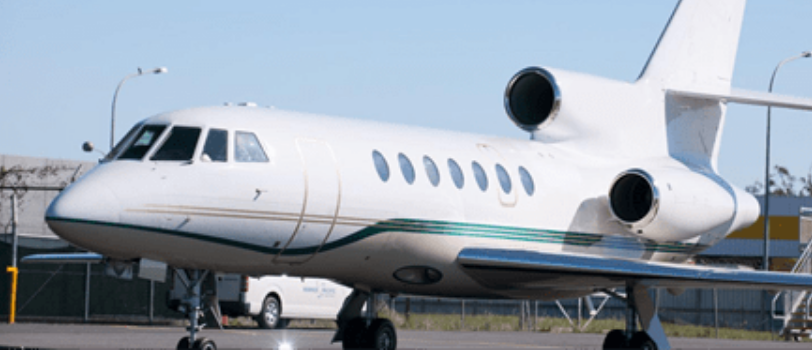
(268, 317)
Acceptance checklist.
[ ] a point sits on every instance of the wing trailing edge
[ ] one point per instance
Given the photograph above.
(579, 271)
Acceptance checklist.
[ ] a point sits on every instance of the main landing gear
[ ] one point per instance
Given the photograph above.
(638, 306)
(357, 331)
(192, 279)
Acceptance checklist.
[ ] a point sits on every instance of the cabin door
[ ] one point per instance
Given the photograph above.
(322, 198)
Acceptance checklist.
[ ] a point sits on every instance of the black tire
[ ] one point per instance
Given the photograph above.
(642, 341)
(382, 335)
(183, 344)
(615, 339)
(355, 334)
(204, 344)
(268, 317)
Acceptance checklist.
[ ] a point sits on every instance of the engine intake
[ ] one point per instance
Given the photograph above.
(633, 198)
(532, 98)
(672, 204)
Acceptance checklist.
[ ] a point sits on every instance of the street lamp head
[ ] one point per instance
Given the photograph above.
(141, 72)
(158, 70)
(806, 54)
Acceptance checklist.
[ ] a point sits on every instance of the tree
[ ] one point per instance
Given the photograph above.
(783, 183)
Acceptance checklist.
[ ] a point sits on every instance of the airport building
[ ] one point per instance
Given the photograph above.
(85, 292)
(61, 292)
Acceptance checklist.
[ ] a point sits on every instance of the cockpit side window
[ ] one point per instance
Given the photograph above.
(215, 149)
(247, 148)
(123, 143)
(143, 142)
(179, 145)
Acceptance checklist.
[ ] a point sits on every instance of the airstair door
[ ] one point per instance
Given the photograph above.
(322, 198)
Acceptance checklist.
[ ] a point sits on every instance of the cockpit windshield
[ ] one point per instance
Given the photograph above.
(180, 142)
(215, 149)
(143, 142)
(179, 145)
(123, 143)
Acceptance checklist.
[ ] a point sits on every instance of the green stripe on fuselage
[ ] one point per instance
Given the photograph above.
(434, 227)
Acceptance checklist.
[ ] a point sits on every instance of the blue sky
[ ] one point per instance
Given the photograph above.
(428, 63)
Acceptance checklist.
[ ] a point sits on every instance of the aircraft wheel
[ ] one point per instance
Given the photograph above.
(642, 341)
(355, 334)
(183, 344)
(615, 339)
(204, 344)
(383, 336)
(268, 318)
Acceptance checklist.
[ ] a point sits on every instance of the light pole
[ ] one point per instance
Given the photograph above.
(767, 165)
(158, 70)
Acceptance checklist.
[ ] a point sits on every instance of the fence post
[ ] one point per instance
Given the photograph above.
(716, 312)
(536, 316)
(14, 222)
(13, 268)
(521, 315)
(408, 309)
(87, 292)
(392, 310)
(151, 301)
(580, 311)
(462, 315)
(698, 307)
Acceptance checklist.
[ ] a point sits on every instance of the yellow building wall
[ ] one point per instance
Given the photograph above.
(781, 227)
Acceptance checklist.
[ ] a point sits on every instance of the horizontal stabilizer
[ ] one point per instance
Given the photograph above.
(587, 271)
(66, 258)
(750, 98)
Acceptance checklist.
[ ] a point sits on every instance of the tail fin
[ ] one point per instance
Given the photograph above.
(698, 47)
(696, 52)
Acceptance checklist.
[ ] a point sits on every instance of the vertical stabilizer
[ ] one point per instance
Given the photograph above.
(697, 50)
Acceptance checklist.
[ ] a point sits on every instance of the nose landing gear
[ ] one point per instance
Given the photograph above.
(191, 303)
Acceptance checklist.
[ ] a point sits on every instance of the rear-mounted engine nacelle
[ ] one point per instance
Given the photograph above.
(532, 98)
(670, 204)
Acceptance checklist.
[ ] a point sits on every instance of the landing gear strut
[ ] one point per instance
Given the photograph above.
(357, 331)
(638, 306)
(192, 304)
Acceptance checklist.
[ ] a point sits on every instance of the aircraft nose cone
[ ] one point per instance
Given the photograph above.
(80, 205)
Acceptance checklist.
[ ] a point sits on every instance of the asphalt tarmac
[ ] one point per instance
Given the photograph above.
(73, 336)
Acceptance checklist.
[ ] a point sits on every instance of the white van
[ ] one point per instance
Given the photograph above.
(273, 300)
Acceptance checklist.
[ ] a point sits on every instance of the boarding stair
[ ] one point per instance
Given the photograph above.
(796, 305)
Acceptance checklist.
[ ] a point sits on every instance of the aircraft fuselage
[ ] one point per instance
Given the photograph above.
(319, 206)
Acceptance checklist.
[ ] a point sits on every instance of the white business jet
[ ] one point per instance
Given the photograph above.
(615, 190)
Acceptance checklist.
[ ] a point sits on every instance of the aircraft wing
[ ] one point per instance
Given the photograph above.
(63, 258)
(542, 270)
(750, 98)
